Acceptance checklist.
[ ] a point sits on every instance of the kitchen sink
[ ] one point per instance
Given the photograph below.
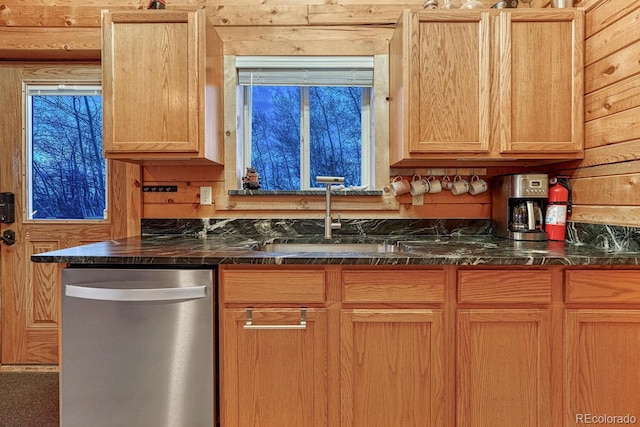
(330, 247)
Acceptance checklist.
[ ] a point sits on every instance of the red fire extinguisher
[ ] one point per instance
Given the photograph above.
(557, 209)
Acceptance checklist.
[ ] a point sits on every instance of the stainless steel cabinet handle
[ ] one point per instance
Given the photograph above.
(159, 294)
(302, 325)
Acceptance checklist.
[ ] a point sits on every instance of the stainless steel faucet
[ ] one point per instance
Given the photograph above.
(329, 225)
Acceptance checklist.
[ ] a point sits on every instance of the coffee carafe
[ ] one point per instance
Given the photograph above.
(526, 216)
(518, 202)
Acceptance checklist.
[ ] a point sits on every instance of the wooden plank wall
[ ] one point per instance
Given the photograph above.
(70, 30)
(185, 202)
(366, 25)
(606, 182)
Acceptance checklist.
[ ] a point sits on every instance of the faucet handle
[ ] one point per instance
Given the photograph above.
(337, 224)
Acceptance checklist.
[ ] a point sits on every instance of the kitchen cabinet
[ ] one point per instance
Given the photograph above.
(504, 348)
(392, 359)
(486, 85)
(372, 352)
(602, 338)
(273, 348)
(428, 345)
(162, 86)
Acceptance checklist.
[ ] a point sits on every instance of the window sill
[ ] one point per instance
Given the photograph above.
(321, 193)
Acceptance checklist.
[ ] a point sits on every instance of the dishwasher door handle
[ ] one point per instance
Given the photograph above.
(158, 294)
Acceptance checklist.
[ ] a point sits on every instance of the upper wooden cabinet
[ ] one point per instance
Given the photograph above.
(486, 85)
(162, 86)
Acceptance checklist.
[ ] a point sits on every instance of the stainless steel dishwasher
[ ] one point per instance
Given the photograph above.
(137, 348)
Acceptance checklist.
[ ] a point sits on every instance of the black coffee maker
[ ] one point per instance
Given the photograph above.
(518, 203)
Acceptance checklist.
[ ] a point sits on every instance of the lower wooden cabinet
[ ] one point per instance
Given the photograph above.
(504, 368)
(504, 348)
(274, 367)
(457, 346)
(602, 342)
(273, 338)
(603, 366)
(392, 371)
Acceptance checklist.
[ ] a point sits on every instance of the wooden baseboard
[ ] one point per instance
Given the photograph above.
(29, 368)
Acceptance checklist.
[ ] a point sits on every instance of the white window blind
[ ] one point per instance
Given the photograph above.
(74, 90)
(305, 71)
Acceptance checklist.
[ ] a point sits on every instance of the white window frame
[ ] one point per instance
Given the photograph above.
(42, 88)
(305, 72)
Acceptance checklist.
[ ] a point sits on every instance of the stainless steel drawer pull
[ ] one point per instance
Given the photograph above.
(302, 325)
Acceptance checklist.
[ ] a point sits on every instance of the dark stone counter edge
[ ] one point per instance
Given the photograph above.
(237, 242)
(360, 259)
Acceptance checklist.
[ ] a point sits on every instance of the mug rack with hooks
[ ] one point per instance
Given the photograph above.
(439, 171)
(418, 200)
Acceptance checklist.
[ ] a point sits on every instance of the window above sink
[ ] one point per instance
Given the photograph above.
(305, 116)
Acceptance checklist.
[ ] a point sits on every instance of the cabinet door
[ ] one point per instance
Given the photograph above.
(449, 94)
(150, 81)
(504, 368)
(541, 81)
(603, 366)
(274, 374)
(392, 368)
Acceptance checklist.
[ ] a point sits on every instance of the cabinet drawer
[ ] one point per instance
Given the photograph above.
(273, 286)
(393, 286)
(617, 286)
(503, 286)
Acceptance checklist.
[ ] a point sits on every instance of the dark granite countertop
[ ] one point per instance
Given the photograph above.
(182, 250)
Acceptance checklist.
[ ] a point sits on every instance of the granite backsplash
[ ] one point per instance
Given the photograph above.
(608, 237)
(276, 228)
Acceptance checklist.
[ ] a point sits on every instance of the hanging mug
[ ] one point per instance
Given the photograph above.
(446, 182)
(399, 186)
(418, 185)
(477, 185)
(435, 186)
(459, 186)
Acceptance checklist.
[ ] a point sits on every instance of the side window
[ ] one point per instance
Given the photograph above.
(65, 168)
(305, 117)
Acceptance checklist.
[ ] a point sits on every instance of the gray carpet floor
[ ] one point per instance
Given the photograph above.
(29, 399)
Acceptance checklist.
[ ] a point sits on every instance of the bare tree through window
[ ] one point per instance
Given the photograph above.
(335, 134)
(68, 172)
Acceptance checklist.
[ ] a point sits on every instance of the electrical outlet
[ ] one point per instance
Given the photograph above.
(205, 196)
(417, 200)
